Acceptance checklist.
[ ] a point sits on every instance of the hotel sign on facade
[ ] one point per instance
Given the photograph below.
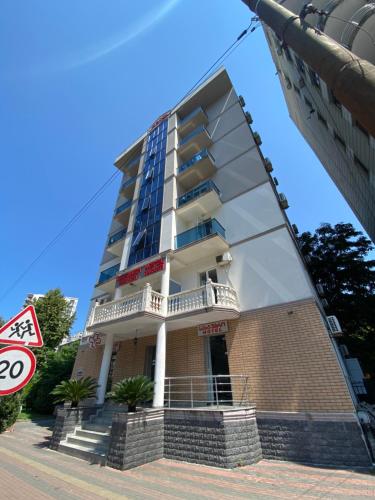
(216, 328)
(141, 272)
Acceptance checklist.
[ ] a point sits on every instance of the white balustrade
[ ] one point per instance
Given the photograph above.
(209, 295)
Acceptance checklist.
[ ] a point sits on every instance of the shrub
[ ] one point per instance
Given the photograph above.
(75, 390)
(132, 390)
(10, 407)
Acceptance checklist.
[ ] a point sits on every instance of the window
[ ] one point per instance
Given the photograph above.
(322, 120)
(315, 80)
(300, 64)
(362, 166)
(206, 275)
(149, 174)
(296, 89)
(146, 203)
(340, 140)
(139, 238)
(308, 103)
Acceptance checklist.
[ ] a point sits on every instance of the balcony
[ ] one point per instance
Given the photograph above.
(202, 200)
(196, 140)
(205, 239)
(105, 280)
(122, 213)
(116, 242)
(146, 308)
(127, 189)
(198, 168)
(131, 167)
(192, 121)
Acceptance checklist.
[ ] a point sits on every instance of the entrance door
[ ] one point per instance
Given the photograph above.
(221, 389)
(206, 275)
(150, 361)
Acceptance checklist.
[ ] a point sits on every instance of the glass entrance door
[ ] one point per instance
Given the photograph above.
(221, 386)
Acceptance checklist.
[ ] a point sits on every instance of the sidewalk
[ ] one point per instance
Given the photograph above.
(28, 470)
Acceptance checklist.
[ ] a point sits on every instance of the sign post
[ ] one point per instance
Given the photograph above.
(17, 362)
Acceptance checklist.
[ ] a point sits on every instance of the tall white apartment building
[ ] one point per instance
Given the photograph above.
(201, 278)
(71, 301)
(344, 147)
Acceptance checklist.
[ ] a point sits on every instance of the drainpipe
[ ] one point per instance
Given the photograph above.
(351, 78)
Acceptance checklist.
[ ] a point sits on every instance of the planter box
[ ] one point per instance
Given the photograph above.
(136, 438)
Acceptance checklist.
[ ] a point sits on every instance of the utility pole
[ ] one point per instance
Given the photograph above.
(351, 78)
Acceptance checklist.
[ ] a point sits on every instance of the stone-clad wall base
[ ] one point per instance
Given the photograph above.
(218, 437)
(67, 419)
(325, 439)
(136, 439)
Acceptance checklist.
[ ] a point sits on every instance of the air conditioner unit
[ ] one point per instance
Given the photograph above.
(334, 326)
(295, 228)
(257, 139)
(241, 100)
(224, 259)
(249, 118)
(283, 201)
(320, 289)
(268, 165)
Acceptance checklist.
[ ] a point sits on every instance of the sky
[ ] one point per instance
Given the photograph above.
(79, 82)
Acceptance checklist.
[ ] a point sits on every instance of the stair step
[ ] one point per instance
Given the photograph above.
(91, 426)
(90, 443)
(102, 421)
(83, 452)
(91, 434)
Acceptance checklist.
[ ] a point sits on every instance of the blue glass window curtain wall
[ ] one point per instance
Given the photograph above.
(146, 235)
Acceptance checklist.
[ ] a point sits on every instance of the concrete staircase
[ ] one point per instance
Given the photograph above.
(90, 440)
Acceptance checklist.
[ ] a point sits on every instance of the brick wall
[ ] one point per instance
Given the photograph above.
(285, 350)
(288, 355)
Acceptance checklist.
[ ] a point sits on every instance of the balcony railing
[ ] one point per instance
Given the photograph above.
(147, 300)
(192, 134)
(204, 187)
(195, 113)
(133, 162)
(123, 207)
(129, 182)
(195, 159)
(116, 237)
(109, 273)
(208, 228)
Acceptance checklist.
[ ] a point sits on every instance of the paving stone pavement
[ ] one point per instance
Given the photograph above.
(29, 470)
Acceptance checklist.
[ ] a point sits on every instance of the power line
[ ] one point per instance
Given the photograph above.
(241, 37)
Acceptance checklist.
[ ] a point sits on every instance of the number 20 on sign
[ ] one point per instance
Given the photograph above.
(17, 366)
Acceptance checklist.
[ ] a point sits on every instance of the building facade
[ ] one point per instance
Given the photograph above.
(71, 301)
(202, 287)
(344, 147)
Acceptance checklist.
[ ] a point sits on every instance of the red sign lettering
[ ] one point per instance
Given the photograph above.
(141, 272)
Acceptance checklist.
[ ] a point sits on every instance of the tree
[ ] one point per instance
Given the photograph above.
(337, 258)
(75, 390)
(54, 317)
(57, 367)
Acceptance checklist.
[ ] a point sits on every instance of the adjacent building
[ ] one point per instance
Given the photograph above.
(343, 145)
(71, 301)
(202, 286)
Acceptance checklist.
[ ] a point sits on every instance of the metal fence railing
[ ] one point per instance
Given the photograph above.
(206, 390)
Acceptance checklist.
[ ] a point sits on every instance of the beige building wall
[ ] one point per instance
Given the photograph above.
(285, 351)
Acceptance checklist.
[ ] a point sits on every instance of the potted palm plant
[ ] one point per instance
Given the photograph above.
(75, 390)
(132, 390)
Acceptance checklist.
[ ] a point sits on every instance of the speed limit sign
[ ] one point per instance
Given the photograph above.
(17, 366)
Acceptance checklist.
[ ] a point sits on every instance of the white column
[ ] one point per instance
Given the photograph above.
(104, 369)
(161, 343)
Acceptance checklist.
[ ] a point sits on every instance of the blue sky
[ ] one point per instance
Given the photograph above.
(79, 82)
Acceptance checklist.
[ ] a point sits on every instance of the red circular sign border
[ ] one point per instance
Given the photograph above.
(29, 376)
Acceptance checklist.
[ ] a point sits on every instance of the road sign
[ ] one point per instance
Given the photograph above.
(17, 366)
(23, 329)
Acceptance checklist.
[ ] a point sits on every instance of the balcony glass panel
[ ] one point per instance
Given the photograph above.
(123, 207)
(204, 153)
(133, 162)
(204, 187)
(109, 273)
(192, 134)
(116, 237)
(208, 228)
(129, 182)
(191, 115)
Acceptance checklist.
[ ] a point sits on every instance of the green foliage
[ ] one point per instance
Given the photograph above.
(54, 318)
(10, 407)
(337, 260)
(132, 390)
(57, 367)
(75, 390)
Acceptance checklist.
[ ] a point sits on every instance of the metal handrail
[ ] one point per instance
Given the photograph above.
(207, 390)
(202, 188)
